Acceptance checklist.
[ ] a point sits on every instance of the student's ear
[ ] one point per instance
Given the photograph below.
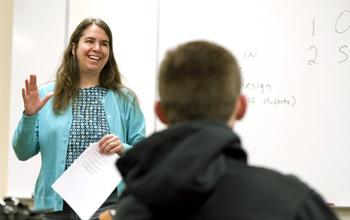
(241, 107)
(73, 49)
(158, 108)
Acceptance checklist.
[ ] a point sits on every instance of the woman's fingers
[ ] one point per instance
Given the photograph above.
(30, 95)
(110, 144)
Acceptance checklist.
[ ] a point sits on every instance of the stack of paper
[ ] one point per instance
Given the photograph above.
(88, 182)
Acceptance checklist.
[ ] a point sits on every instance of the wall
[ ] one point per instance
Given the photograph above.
(37, 47)
(295, 61)
(6, 17)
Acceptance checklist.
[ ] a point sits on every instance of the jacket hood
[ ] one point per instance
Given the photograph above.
(175, 170)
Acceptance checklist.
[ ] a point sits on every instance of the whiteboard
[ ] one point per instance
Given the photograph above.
(295, 62)
(37, 46)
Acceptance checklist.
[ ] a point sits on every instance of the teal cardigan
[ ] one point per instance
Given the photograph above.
(48, 134)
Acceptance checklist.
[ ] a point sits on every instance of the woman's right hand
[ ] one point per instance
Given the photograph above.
(31, 98)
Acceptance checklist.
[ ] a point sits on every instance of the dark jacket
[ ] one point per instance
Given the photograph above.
(198, 170)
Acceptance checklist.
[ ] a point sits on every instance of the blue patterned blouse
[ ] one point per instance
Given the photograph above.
(89, 123)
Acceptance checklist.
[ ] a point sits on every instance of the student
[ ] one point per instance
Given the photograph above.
(197, 168)
(87, 103)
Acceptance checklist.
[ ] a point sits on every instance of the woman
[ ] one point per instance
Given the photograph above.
(87, 103)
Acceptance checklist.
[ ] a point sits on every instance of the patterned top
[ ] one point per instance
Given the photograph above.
(89, 123)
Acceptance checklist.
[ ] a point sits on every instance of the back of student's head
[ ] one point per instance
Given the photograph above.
(198, 80)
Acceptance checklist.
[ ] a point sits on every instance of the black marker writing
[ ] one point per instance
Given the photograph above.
(343, 52)
(250, 54)
(311, 62)
(342, 21)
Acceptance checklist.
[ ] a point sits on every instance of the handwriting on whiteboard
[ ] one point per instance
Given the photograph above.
(342, 25)
(258, 93)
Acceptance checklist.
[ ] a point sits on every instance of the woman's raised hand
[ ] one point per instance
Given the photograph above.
(31, 99)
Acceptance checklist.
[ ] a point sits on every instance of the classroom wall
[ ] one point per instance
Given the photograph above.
(37, 46)
(294, 59)
(6, 17)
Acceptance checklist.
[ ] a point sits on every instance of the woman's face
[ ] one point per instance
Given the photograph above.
(92, 52)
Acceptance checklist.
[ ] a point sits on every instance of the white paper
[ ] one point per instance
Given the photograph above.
(88, 182)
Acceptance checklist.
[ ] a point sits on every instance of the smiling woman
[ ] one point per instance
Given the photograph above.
(92, 37)
(87, 103)
(92, 53)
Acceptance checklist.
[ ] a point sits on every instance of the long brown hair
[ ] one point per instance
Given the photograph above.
(67, 75)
